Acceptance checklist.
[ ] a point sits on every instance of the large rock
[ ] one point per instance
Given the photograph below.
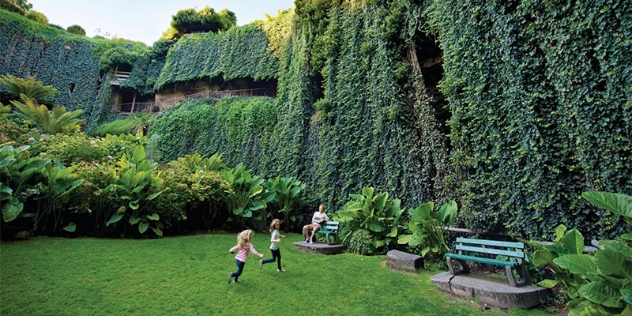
(403, 261)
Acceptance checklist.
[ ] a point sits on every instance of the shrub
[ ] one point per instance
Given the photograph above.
(373, 214)
(69, 149)
(76, 29)
(37, 16)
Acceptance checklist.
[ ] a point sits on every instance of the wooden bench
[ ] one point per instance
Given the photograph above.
(328, 228)
(469, 250)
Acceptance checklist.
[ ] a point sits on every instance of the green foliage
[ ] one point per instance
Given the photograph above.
(16, 172)
(30, 88)
(76, 29)
(134, 184)
(278, 29)
(287, 199)
(241, 52)
(63, 60)
(206, 20)
(197, 193)
(115, 56)
(19, 6)
(239, 128)
(197, 162)
(540, 106)
(599, 282)
(51, 195)
(56, 121)
(248, 201)
(133, 124)
(426, 230)
(374, 214)
(36, 16)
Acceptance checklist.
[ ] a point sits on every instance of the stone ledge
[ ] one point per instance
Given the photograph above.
(491, 292)
(320, 248)
(403, 261)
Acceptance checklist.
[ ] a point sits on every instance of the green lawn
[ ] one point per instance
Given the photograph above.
(188, 276)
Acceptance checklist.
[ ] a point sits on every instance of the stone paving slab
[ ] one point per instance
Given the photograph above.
(490, 291)
(319, 248)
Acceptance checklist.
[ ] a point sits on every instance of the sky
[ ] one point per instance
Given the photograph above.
(144, 20)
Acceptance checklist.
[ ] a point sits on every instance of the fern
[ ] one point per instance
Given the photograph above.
(52, 122)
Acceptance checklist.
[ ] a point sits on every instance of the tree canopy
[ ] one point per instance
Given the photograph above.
(206, 20)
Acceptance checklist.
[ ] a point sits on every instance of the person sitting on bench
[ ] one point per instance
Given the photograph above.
(318, 218)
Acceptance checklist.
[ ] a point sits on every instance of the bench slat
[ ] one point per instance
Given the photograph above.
(508, 244)
(483, 260)
(492, 251)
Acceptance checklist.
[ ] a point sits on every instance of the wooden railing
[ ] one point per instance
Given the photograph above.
(152, 107)
(120, 76)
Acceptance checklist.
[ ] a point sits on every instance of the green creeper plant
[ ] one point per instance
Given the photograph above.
(373, 214)
(426, 231)
(134, 185)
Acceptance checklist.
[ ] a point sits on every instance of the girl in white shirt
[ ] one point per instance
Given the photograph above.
(275, 239)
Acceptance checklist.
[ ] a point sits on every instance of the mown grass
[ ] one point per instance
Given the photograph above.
(188, 276)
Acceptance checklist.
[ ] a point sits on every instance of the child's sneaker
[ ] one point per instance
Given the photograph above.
(280, 270)
(311, 242)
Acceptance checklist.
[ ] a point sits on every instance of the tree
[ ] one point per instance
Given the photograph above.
(76, 29)
(37, 17)
(206, 20)
(18, 6)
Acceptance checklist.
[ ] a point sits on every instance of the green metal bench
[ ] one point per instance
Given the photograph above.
(329, 228)
(469, 250)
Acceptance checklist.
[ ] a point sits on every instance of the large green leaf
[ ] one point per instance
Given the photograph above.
(542, 257)
(617, 203)
(549, 284)
(582, 264)
(447, 213)
(153, 217)
(134, 220)
(404, 239)
(71, 227)
(379, 201)
(614, 260)
(142, 227)
(421, 212)
(374, 225)
(393, 232)
(573, 241)
(626, 293)
(12, 209)
(599, 292)
(157, 231)
(115, 218)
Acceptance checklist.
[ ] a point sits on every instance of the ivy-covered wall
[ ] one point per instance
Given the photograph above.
(241, 52)
(540, 94)
(60, 59)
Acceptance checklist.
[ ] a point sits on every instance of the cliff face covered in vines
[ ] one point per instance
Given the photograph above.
(511, 108)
